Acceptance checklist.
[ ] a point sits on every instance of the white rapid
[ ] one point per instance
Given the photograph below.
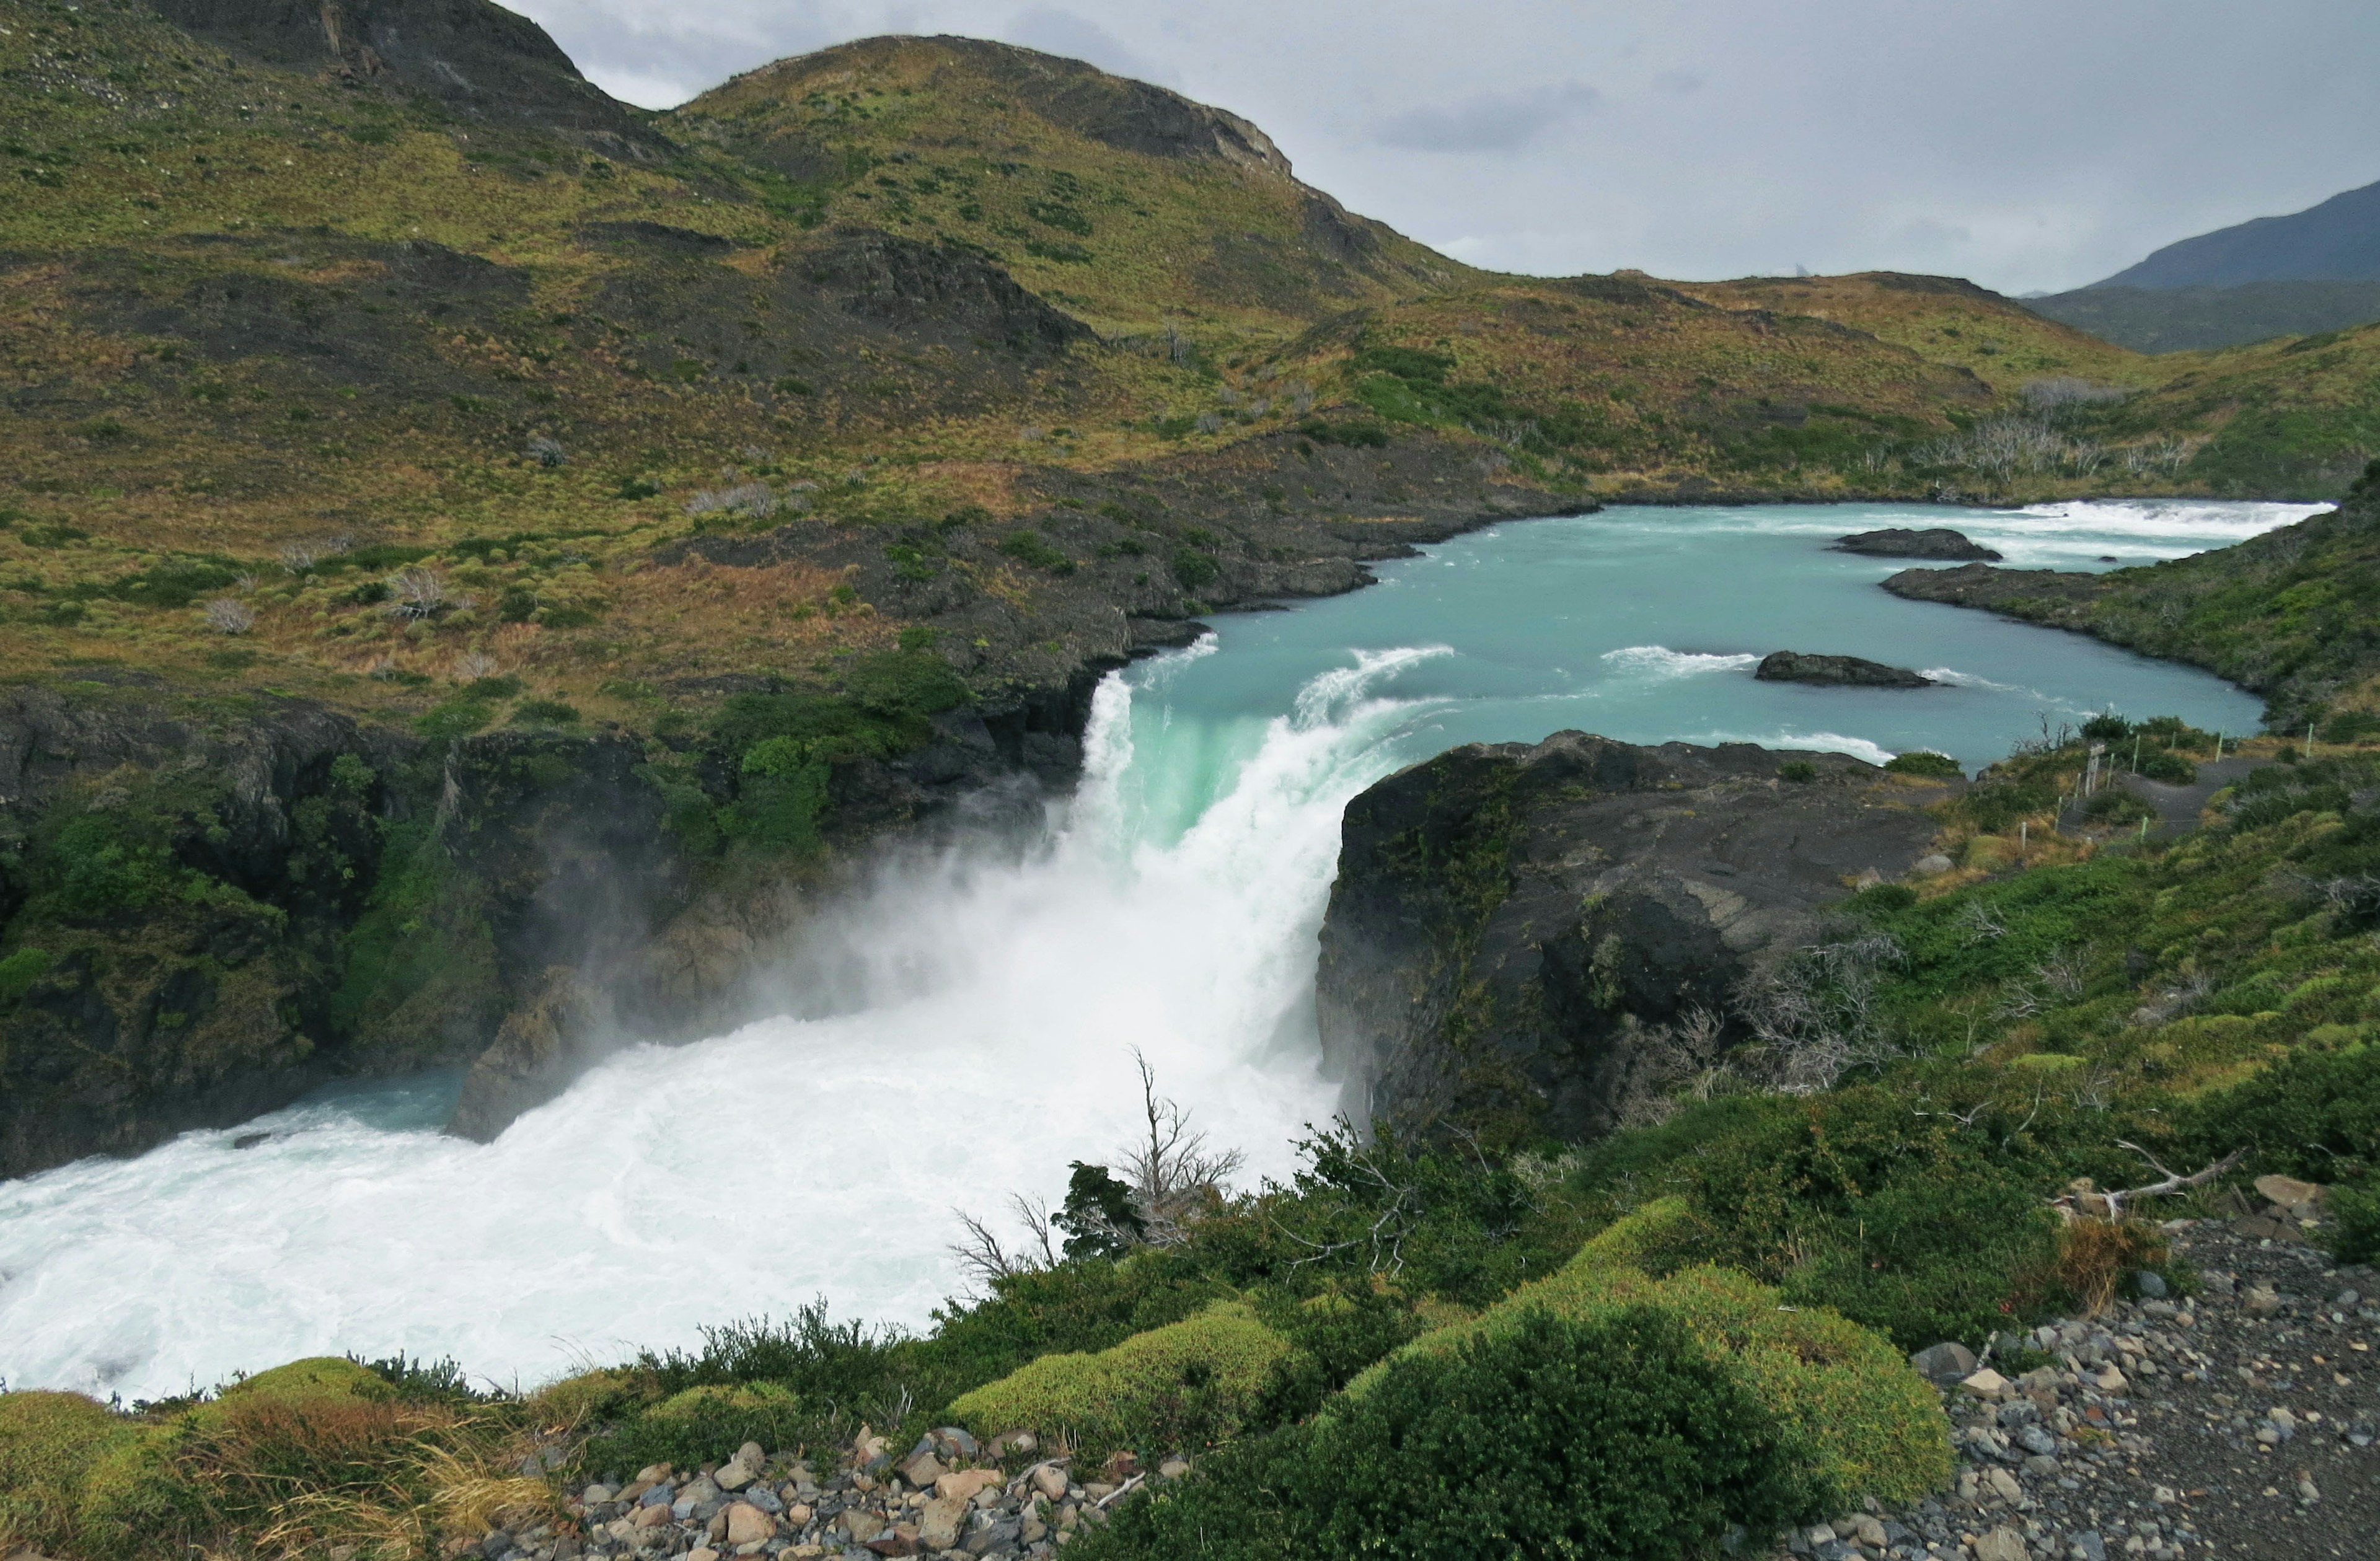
(989, 1007)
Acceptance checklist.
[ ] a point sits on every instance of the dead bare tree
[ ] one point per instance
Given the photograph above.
(1981, 922)
(1812, 1012)
(1175, 1175)
(987, 1258)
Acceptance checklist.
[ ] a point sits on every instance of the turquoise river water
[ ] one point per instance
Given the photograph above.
(964, 1025)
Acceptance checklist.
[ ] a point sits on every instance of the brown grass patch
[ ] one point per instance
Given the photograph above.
(2094, 1255)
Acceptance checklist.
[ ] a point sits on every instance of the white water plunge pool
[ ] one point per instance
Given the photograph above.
(993, 1001)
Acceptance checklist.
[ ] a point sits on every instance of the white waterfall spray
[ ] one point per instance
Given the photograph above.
(994, 1007)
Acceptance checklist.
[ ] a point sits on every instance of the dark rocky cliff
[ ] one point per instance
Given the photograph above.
(211, 909)
(1511, 922)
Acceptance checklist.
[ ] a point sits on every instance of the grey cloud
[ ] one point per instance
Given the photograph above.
(1496, 122)
(2059, 144)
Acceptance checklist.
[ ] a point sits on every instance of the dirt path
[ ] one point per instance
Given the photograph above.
(2178, 806)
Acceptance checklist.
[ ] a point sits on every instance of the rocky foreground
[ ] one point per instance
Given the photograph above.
(950, 1498)
(2237, 1422)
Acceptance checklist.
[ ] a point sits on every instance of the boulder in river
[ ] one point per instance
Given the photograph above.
(1851, 672)
(1534, 939)
(1899, 541)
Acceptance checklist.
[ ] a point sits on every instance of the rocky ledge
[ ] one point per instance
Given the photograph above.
(1897, 541)
(1521, 939)
(2237, 1421)
(2057, 596)
(949, 1498)
(1843, 671)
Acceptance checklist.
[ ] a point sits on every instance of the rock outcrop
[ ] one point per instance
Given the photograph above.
(1899, 541)
(2059, 597)
(211, 911)
(474, 58)
(1849, 671)
(1515, 927)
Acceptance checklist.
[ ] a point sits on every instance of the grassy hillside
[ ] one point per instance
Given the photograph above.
(277, 329)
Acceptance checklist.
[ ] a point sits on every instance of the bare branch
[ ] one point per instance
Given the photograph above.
(2172, 1181)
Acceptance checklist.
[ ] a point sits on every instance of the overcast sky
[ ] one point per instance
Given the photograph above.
(2028, 144)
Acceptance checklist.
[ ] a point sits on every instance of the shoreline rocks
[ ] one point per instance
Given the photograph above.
(1838, 671)
(1902, 542)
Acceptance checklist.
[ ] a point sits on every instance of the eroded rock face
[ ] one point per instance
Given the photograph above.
(1899, 541)
(1511, 922)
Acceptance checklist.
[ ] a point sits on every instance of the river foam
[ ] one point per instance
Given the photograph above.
(993, 1006)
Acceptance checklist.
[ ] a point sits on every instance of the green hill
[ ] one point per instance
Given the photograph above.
(286, 289)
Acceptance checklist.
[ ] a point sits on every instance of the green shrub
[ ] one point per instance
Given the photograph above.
(1410, 364)
(1871, 1425)
(457, 718)
(703, 1425)
(2355, 1208)
(1899, 1221)
(1195, 570)
(77, 1479)
(1032, 549)
(20, 971)
(1618, 1436)
(2312, 1115)
(909, 682)
(2172, 768)
(1187, 1383)
(1657, 1238)
(1924, 761)
(1799, 770)
(781, 796)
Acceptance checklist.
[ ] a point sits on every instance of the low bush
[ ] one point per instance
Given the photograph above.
(1032, 549)
(703, 1425)
(77, 1479)
(1871, 1425)
(1616, 1437)
(1902, 1222)
(2355, 1209)
(1924, 761)
(2313, 1115)
(1186, 1384)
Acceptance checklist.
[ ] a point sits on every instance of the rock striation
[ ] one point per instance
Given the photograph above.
(1899, 541)
(1512, 926)
(1846, 671)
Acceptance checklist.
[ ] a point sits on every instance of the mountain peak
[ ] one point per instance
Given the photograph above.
(1114, 110)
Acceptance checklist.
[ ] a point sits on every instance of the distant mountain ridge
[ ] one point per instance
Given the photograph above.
(2201, 318)
(2336, 241)
(2310, 271)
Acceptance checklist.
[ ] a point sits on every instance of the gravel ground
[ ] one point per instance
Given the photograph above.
(2240, 1422)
